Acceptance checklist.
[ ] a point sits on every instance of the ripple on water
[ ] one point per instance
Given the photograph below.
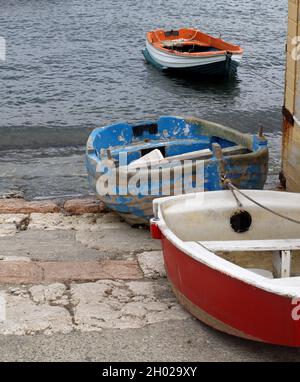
(75, 65)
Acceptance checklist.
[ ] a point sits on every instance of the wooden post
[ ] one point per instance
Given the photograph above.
(290, 175)
(217, 150)
(282, 264)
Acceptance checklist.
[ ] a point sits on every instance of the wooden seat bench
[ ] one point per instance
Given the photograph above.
(281, 248)
(252, 245)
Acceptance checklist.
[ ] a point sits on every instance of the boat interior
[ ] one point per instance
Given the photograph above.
(189, 46)
(175, 138)
(246, 235)
(192, 41)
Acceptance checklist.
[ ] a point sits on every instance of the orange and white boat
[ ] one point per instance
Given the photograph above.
(189, 49)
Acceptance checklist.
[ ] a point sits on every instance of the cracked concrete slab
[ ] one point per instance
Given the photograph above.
(60, 221)
(48, 293)
(152, 264)
(60, 308)
(50, 221)
(130, 241)
(23, 316)
(7, 224)
(43, 245)
(120, 305)
(58, 250)
(57, 237)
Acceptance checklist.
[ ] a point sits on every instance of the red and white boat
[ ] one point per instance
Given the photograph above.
(235, 267)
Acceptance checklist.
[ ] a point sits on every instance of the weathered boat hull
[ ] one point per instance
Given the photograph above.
(246, 175)
(222, 294)
(247, 170)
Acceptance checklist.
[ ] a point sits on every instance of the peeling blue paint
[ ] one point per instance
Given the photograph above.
(174, 136)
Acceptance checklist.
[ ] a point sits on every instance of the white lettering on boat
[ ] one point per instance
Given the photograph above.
(296, 309)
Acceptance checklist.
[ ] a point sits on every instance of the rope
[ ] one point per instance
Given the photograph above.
(261, 76)
(228, 184)
(184, 39)
(238, 202)
(192, 38)
(266, 79)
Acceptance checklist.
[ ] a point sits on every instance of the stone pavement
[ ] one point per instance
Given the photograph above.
(105, 304)
(82, 272)
(80, 284)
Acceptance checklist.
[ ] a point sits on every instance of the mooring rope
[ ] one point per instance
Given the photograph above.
(245, 60)
(266, 79)
(234, 189)
(183, 39)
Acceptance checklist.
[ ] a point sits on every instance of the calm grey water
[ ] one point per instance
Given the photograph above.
(73, 65)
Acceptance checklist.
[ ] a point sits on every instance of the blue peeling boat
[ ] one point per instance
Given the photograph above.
(129, 165)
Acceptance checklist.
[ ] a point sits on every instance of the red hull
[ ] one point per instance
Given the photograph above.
(228, 304)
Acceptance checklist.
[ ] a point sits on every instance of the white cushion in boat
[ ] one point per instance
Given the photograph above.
(190, 155)
(262, 272)
(207, 153)
(154, 156)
